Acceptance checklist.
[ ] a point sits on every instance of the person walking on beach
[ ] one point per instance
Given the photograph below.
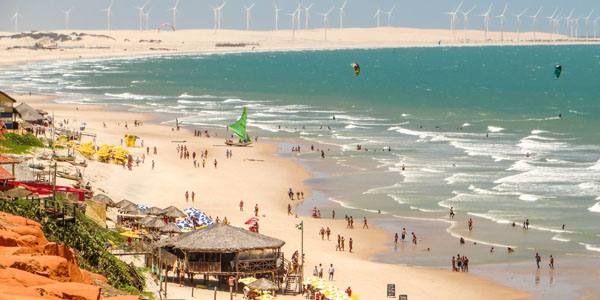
(333, 214)
(339, 247)
(454, 264)
(538, 259)
(527, 224)
(215, 163)
(153, 164)
(451, 212)
(328, 232)
(320, 271)
(396, 238)
(241, 205)
(331, 272)
(414, 238)
(289, 209)
(351, 222)
(343, 242)
(350, 244)
(316, 272)
(187, 195)
(193, 196)
(470, 224)
(403, 234)
(322, 233)
(203, 163)
(551, 262)
(365, 225)
(256, 210)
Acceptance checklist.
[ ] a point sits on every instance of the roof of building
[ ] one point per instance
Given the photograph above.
(7, 96)
(224, 238)
(28, 113)
(5, 175)
(7, 160)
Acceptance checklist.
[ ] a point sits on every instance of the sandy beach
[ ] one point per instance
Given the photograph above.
(101, 43)
(255, 176)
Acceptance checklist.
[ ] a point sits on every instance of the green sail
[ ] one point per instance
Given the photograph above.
(239, 128)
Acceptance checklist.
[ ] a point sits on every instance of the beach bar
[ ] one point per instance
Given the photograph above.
(222, 250)
(7, 115)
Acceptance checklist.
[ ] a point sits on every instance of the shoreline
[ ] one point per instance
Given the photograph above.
(378, 237)
(204, 41)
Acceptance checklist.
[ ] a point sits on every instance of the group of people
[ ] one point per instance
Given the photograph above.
(299, 195)
(538, 260)
(187, 196)
(341, 244)
(324, 232)
(404, 236)
(460, 263)
(318, 272)
(199, 133)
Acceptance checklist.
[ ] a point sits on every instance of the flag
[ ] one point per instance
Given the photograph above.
(299, 226)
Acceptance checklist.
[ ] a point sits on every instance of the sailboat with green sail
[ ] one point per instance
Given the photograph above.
(239, 128)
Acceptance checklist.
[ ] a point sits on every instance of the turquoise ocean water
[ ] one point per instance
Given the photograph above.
(398, 100)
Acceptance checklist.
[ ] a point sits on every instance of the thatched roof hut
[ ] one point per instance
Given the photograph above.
(103, 199)
(155, 223)
(131, 209)
(263, 285)
(123, 203)
(145, 220)
(170, 228)
(174, 212)
(225, 238)
(29, 114)
(155, 211)
(18, 193)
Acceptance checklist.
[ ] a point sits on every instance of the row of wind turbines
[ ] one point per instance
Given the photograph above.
(554, 20)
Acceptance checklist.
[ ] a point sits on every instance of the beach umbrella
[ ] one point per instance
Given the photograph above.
(170, 228)
(263, 285)
(155, 211)
(174, 212)
(83, 123)
(184, 224)
(130, 234)
(265, 297)
(145, 219)
(247, 280)
(131, 208)
(142, 207)
(18, 193)
(155, 223)
(123, 203)
(104, 199)
(251, 221)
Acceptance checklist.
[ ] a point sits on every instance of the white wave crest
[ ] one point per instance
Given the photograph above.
(494, 128)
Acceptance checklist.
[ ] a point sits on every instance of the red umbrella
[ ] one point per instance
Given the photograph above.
(251, 221)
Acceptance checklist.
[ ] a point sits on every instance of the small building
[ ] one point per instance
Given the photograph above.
(222, 250)
(7, 115)
(29, 114)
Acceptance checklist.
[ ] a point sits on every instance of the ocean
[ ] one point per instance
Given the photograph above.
(476, 128)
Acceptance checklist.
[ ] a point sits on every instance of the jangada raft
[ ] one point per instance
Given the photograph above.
(239, 128)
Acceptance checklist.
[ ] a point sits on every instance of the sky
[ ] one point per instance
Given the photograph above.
(88, 14)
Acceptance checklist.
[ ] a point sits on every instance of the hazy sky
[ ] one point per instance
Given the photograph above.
(88, 14)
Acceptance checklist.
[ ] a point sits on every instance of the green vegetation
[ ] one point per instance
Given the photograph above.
(18, 144)
(86, 237)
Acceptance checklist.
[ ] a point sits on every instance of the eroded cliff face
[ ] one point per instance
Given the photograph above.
(33, 268)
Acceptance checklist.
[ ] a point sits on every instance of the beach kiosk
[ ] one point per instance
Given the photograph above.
(7, 115)
(221, 251)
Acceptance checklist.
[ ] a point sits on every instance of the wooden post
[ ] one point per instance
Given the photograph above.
(166, 280)
(215, 298)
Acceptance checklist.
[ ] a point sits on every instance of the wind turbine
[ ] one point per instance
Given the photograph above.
(325, 21)
(277, 10)
(220, 14)
(486, 20)
(175, 11)
(595, 25)
(67, 12)
(577, 27)
(377, 14)
(293, 15)
(552, 23)
(466, 21)
(587, 24)
(453, 19)
(502, 22)
(389, 13)
(147, 15)
(108, 11)
(519, 24)
(570, 22)
(299, 12)
(534, 17)
(306, 14)
(248, 9)
(342, 14)
(16, 18)
(141, 14)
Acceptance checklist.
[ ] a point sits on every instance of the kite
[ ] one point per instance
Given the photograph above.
(557, 71)
(356, 68)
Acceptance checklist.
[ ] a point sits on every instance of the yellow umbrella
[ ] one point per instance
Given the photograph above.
(355, 297)
(130, 234)
(247, 280)
(266, 297)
